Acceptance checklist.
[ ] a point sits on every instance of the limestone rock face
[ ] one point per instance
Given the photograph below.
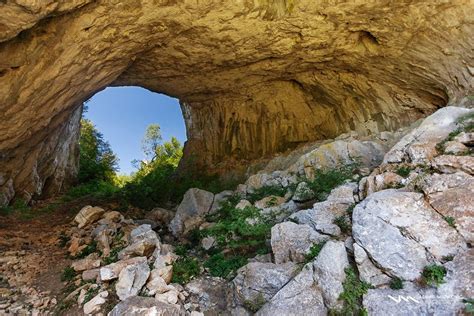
(253, 77)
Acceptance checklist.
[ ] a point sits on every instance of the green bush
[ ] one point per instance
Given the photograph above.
(343, 223)
(396, 284)
(265, 191)
(434, 274)
(314, 251)
(326, 180)
(451, 221)
(403, 171)
(89, 249)
(220, 266)
(184, 269)
(354, 289)
(68, 274)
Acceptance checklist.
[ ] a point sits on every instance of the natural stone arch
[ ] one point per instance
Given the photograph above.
(254, 76)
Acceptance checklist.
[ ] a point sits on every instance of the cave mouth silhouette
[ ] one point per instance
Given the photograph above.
(122, 114)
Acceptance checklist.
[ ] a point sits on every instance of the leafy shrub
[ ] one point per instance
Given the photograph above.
(220, 266)
(265, 191)
(314, 251)
(326, 180)
(434, 274)
(450, 220)
(396, 284)
(68, 274)
(354, 289)
(184, 269)
(403, 171)
(343, 223)
(90, 248)
(96, 189)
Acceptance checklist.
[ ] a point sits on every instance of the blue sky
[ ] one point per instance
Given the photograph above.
(122, 114)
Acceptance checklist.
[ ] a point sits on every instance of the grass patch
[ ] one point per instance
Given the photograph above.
(450, 220)
(265, 191)
(63, 240)
(113, 256)
(396, 284)
(91, 292)
(354, 289)
(343, 223)
(314, 252)
(433, 275)
(89, 249)
(184, 269)
(403, 171)
(220, 266)
(68, 274)
(326, 180)
(256, 304)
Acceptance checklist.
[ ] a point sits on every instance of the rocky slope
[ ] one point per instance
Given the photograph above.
(351, 226)
(254, 77)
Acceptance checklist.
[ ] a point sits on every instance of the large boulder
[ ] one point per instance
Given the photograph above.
(401, 232)
(452, 195)
(446, 299)
(419, 146)
(291, 242)
(257, 282)
(209, 293)
(145, 306)
(329, 272)
(301, 296)
(190, 213)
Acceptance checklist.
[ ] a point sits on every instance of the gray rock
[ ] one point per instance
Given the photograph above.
(329, 272)
(401, 233)
(455, 148)
(160, 215)
(452, 164)
(209, 293)
(256, 282)
(446, 299)
(280, 212)
(90, 262)
(344, 193)
(112, 271)
(269, 201)
(321, 216)
(303, 193)
(220, 198)
(145, 306)
(368, 272)
(419, 145)
(94, 305)
(291, 242)
(131, 280)
(190, 213)
(465, 138)
(452, 195)
(300, 296)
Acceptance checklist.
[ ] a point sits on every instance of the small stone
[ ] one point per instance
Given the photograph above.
(170, 297)
(93, 306)
(208, 242)
(131, 280)
(303, 193)
(87, 215)
(113, 270)
(90, 262)
(90, 275)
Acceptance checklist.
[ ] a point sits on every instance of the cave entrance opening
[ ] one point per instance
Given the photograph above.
(123, 114)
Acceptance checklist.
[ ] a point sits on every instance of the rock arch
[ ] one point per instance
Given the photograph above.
(254, 76)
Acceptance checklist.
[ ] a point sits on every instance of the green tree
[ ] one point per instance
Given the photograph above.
(152, 140)
(97, 161)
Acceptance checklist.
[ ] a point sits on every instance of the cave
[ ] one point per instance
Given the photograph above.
(253, 77)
